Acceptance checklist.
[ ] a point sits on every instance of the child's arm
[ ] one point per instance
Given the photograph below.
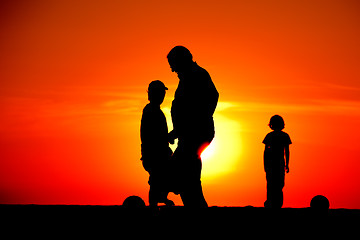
(172, 136)
(287, 156)
(265, 158)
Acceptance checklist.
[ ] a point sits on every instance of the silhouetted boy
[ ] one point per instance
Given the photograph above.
(155, 148)
(276, 147)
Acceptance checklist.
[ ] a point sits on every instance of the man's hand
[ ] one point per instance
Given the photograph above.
(172, 137)
(287, 168)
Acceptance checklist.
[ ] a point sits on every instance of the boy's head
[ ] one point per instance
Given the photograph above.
(277, 123)
(156, 92)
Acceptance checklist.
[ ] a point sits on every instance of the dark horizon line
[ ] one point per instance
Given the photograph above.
(177, 206)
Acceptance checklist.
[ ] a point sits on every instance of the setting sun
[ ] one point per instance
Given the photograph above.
(209, 151)
(223, 154)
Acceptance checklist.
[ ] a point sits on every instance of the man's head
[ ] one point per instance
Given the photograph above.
(180, 59)
(156, 92)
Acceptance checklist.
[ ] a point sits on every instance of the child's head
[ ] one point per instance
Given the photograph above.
(277, 123)
(156, 92)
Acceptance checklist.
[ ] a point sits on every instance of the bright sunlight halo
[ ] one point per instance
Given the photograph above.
(223, 153)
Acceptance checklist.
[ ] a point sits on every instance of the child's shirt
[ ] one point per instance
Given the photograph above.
(154, 134)
(275, 142)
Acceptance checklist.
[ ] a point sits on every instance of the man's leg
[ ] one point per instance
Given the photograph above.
(193, 197)
(192, 193)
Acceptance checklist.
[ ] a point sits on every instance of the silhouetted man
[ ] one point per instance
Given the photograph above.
(192, 116)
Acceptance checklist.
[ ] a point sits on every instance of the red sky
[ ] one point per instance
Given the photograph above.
(73, 80)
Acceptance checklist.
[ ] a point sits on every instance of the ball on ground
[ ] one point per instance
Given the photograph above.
(134, 202)
(320, 202)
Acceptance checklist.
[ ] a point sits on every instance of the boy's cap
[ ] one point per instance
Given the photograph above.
(157, 84)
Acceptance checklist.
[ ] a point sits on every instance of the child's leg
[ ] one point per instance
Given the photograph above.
(274, 187)
(155, 189)
(278, 196)
(281, 186)
(164, 199)
(281, 198)
(153, 202)
(269, 190)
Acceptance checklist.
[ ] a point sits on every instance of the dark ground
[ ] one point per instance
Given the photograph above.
(75, 221)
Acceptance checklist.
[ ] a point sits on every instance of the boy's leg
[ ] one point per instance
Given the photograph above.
(155, 192)
(157, 195)
(164, 184)
(165, 200)
(269, 190)
(152, 197)
(274, 193)
(277, 193)
(281, 186)
(281, 198)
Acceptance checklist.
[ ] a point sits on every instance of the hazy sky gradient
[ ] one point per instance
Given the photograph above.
(73, 84)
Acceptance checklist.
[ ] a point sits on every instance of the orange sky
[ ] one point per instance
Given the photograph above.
(73, 84)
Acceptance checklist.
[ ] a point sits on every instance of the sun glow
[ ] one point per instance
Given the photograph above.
(209, 151)
(223, 154)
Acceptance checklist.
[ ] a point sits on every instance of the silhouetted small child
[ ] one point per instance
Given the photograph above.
(155, 148)
(276, 148)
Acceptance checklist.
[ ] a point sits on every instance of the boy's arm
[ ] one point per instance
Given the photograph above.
(264, 157)
(172, 136)
(287, 156)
